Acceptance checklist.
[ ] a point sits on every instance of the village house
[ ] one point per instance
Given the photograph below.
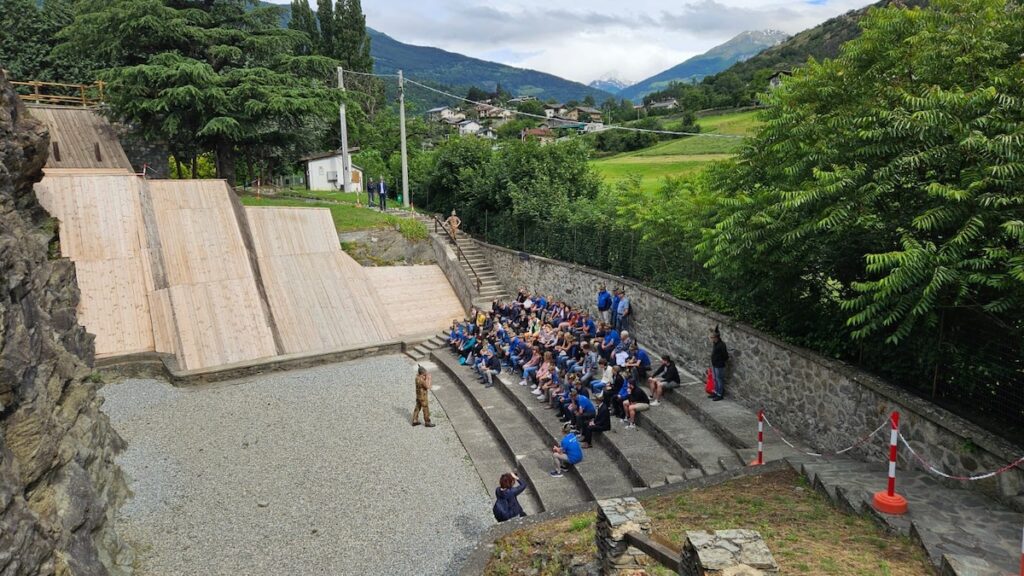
(469, 127)
(324, 172)
(776, 79)
(522, 99)
(669, 104)
(494, 112)
(552, 110)
(583, 113)
(488, 133)
(543, 135)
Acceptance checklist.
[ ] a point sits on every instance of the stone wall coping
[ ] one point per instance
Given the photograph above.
(933, 413)
(279, 363)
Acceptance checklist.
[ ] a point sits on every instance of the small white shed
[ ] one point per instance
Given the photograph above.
(324, 172)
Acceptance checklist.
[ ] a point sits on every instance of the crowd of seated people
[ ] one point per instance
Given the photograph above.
(579, 366)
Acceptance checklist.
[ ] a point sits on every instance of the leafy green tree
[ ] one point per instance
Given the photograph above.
(29, 34)
(328, 28)
(304, 20)
(887, 185)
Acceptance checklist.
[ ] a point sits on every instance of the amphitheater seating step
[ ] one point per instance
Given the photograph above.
(604, 476)
(482, 446)
(731, 422)
(649, 461)
(688, 439)
(530, 448)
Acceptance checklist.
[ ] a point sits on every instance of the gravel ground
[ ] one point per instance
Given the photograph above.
(307, 472)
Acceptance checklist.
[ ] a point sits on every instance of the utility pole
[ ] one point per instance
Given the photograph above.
(346, 168)
(405, 153)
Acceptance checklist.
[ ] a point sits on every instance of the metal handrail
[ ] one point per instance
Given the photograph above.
(438, 223)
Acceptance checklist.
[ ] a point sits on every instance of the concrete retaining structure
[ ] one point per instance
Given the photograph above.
(827, 403)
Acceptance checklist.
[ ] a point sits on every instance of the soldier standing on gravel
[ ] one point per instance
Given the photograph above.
(422, 387)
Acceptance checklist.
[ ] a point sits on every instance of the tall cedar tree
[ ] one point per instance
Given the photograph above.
(206, 76)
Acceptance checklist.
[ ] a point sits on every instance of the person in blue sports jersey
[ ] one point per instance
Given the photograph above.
(566, 453)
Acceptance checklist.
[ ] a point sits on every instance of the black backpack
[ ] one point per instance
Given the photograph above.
(501, 509)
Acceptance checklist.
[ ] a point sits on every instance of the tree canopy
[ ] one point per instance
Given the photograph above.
(219, 76)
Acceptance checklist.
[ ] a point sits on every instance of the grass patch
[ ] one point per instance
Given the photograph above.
(349, 217)
(548, 549)
(682, 157)
(804, 532)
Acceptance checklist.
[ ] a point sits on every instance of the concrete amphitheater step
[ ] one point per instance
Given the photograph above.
(730, 421)
(530, 449)
(688, 440)
(490, 458)
(603, 475)
(651, 463)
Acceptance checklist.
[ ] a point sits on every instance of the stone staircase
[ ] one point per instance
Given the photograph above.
(964, 532)
(475, 264)
(491, 287)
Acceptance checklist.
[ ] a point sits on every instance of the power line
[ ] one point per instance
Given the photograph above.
(601, 128)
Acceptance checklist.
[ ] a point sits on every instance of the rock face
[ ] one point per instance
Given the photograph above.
(59, 484)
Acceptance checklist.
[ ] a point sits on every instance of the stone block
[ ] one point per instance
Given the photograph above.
(726, 553)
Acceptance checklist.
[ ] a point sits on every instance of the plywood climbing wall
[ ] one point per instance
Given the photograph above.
(80, 138)
(101, 231)
(321, 299)
(418, 299)
(218, 315)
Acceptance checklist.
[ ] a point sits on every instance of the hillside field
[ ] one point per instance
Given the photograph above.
(682, 157)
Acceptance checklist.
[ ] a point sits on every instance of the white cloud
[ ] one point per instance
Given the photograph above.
(584, 42)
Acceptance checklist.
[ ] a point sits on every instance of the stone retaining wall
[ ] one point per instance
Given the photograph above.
(448, 260)
(827, 403)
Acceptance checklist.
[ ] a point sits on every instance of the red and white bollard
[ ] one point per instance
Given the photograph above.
(760, 439)
(889, 502)
(1022, 553)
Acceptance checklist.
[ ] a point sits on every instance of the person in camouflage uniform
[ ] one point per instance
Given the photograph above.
(422, 387)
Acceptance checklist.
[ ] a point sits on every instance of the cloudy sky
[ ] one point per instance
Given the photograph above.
(583, 41)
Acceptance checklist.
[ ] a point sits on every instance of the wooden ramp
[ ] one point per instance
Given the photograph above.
(180, 267)
(101, 230)
(321, 299)
(80, 138)
(218, 314)
(418, 299)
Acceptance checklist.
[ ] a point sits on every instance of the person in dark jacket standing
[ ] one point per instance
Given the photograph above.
(719, 357)
(506, 503)
(382, 193)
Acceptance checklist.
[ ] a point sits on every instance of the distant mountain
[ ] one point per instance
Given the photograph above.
(740, 84)
(610, 85)
(433, 65)
(719, 58)
(457, 72)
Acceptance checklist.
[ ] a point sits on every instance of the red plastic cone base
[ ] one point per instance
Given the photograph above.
(894, 505)
(756, 463)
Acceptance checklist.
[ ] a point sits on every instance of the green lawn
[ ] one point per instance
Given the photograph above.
(682, 157)
(346, 218)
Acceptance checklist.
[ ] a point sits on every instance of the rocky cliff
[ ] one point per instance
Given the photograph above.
(59, 484)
